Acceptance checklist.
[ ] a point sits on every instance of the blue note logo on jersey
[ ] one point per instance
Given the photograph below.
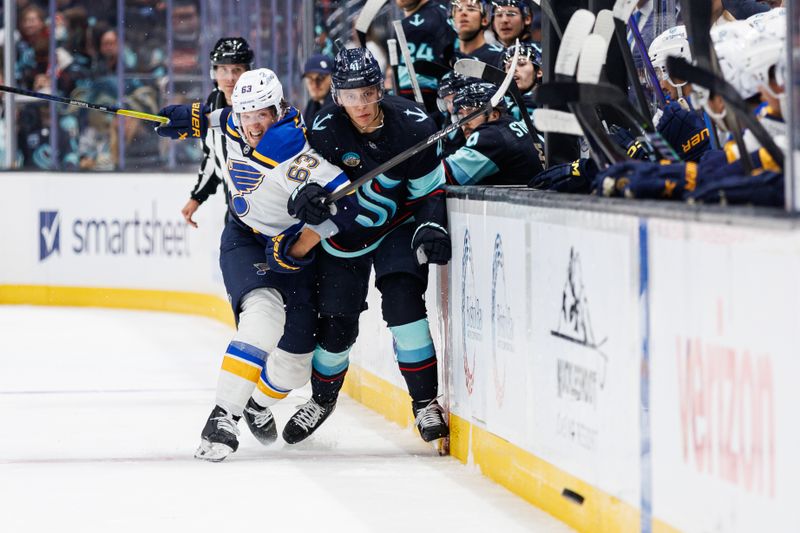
(49, 234)
(351, 159)
(246, 179)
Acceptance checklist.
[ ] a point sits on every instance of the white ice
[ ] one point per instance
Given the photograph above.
(101, 410)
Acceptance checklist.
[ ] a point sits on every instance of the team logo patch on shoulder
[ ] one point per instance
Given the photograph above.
(351, 159)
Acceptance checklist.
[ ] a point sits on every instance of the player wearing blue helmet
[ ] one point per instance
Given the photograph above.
(498, 150)
(400, 211)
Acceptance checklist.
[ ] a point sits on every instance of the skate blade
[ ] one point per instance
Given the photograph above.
(213, 452)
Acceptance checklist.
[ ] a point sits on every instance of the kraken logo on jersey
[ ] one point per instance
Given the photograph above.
(246, 179)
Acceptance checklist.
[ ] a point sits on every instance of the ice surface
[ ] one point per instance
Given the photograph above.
(102, 411)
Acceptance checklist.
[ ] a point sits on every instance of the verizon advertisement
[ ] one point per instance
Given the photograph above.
(724, 370)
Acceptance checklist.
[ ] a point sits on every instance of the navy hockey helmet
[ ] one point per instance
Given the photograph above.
(524, 6)
(474, 95)
(527, 50)
(355, 68)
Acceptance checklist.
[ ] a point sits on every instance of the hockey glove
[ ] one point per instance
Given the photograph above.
(638, 149)
(307, 203)
(613, 180)
(665, 182)
(575, 177)
(278, 257)
(765, 189)
(184, 121)
(685, 130)
(431, 244)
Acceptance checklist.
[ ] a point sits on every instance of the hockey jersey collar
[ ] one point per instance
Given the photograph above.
(284, 140)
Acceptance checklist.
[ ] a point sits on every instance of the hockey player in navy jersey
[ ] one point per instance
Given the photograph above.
(266, 255)
(470, 20)
(527, 76)
(511, 20)
(401, 218)
(230, 58)
(498, 150)
(430, 37)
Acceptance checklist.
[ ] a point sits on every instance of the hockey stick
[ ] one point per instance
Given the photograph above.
(430, 141)
(695, 74)
(401, 38)
(478, 69)
(648, 65)
(365, 18)
(697, 17)
(430, 68)
(623, 9)
(547, 9)
(391, 44)
(86, 105)
(554, 121)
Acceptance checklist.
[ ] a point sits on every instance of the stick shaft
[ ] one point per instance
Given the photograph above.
(86, 105)
(412, 75)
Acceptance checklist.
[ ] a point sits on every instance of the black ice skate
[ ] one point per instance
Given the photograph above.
(219, 436)
(306, 420)
(261, 422)
(429, 418)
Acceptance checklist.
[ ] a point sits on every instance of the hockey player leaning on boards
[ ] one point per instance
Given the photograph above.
(470, 20)
(266, 255)
(430, 37)
(511, 20)
(498, 151)
(400, 212)
(230, 58)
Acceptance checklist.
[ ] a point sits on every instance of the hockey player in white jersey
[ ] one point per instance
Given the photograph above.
(266, 255)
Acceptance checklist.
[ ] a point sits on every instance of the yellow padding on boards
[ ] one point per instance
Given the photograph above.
(379, 395)
(269, 392)
(152, 300)
(241, 369)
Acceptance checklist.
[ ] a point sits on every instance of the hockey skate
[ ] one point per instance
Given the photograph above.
(219, 436)
(261, 422)
(306, 420)
(429, 418)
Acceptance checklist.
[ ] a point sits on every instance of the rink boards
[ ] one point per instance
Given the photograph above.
(622, 369)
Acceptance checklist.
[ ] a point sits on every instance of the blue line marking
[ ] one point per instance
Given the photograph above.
(646, 502)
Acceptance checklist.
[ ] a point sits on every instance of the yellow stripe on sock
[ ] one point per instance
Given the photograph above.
(241, 369)
(270, 392)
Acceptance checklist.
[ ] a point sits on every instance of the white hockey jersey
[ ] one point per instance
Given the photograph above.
(260, 180)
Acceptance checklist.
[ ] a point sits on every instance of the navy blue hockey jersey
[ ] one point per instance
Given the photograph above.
(411, 191)
(496, 153)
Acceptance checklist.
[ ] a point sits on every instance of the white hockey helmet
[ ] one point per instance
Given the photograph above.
(763, 52)
(730, 43)
(673, 42)
(772, 21)
(256, 89)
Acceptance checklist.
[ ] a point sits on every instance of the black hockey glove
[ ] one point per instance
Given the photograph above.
(184, 121)
(278, 257)
(307, 203)
(575, 177)
(431, 244)
(685, 130)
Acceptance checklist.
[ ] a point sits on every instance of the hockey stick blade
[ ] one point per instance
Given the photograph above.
(592, 59)
(680, 68)
(430, 68)
(472, 68)
(430, 141)
(604, 25)
(579, 27)
(623, 9)
(553, 121)
(365, 18)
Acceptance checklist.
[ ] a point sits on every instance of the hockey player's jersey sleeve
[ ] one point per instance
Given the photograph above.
(332, 179)
(426, 188)
(475, 161)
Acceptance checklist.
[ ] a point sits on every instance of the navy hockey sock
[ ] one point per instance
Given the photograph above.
(326, 388)
(421, 378)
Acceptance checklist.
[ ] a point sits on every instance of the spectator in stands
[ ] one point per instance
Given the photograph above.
(77, 72)
(140, 144)
(34, 32)
(185, 36)
(97, 145)
(317, 77)
(106, 46)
